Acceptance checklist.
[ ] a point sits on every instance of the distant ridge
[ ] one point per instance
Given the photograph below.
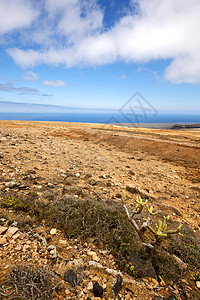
(185, 126)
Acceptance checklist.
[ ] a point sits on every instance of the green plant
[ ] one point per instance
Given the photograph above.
(13, 202)
(161, 228)
(133, 271)
(196, 276)
(159, 232)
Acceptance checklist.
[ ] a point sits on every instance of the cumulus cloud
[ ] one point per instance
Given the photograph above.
(30, 76)
(54, 83)
(16, 14)
(166, 30)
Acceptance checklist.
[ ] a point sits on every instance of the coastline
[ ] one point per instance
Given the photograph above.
(180, 126)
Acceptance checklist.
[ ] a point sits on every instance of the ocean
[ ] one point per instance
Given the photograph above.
(103, 118)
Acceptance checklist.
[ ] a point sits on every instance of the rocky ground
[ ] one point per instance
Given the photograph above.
(49, 160)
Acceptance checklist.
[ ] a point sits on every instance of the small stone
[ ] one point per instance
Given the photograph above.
(63, 242)
(118, 195)
(52, 251)
(53, 231)
(76, 264)
(14, 224)
(3, 229)
(16, 235)
(90, 286)
(18, 248)
(71, 277)
(2, 240)
(162, 283)
(154, 281)
(131, 172)
(67, 292)
(12, 184)
(93, 255)
(117, 285)
(97, 290)
(198, 284)
(11, 231)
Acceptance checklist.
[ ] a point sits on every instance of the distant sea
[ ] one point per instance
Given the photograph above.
(108, 117)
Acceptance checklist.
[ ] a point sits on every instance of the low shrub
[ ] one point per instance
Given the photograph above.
(29, 282)
(14, 203)
(89, 219)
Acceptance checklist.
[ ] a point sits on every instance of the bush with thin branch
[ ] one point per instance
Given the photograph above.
(29, 282)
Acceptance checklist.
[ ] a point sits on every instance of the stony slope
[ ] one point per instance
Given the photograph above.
(49, 160)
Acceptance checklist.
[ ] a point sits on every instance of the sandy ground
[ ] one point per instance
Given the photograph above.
(164, 164)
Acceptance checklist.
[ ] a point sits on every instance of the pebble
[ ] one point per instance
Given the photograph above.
(76, 264)
(198, 284)
(97, 290)
(11, 184)
(63, 242)
(3, 229)
(90, 286)
(67, 292)
(11, 231)
(2, 240)
(18, 248)
(154, 281)
(93, 255)
(53, 231)
(71, 277)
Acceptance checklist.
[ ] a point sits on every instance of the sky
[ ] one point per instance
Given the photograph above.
(98, 53)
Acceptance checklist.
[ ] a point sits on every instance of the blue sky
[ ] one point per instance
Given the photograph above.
(98, 53)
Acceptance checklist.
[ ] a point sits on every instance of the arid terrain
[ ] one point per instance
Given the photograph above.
(52, 159)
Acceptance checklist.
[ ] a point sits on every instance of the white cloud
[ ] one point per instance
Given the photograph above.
(166, 29)
(30, 76)
(16, 14)
(77, 18)
(54, 83)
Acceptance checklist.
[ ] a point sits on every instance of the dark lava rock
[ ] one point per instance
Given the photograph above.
(71, 277)
(108, 184)
(129, 291)
(118, 195)
(132, 189)
(97, 290)
(143, 267)
(131, 172)
(92, 182)
(117, 285)
(87, 176)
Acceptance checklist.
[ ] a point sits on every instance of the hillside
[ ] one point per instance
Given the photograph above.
(54, 175)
